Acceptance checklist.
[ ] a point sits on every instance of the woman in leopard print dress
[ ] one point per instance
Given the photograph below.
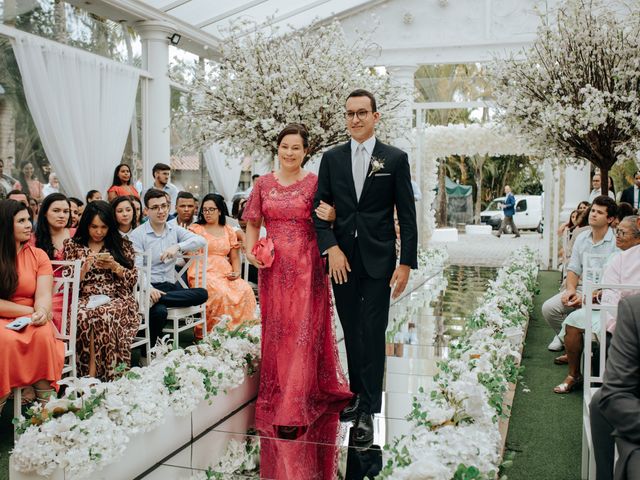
(104, 333)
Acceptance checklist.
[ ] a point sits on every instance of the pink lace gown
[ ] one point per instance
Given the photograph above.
(300, 374)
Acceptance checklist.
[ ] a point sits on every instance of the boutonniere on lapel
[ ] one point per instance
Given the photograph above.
(377, 164)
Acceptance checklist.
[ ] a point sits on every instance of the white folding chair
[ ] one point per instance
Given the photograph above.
(184, 318)
(67, 285)
(141, 292)
(592, 382)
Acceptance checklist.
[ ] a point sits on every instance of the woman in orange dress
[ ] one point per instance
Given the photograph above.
(228, 293)
(121, 185)
(28, 182)
(33, 355)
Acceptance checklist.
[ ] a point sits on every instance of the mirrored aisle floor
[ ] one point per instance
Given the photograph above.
(422, 323)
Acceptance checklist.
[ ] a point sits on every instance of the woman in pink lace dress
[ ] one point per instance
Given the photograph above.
(300, 374)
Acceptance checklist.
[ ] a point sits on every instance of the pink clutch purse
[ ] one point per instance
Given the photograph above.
(264, 251)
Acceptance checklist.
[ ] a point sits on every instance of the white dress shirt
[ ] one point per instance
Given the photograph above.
(368, 145)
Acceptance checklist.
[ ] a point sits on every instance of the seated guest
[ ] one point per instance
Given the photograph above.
(596, 183)
(121, 184)
(104, 332)
(137, 205)
(228, 293)
(33, 355)
(34, 205)
(125, 212)
(163, 242)
(6, 182)
(624, 210)
(185, 209)
(19, 196)
(52, 187)
(77, 207)
(93, 195)
(571, 334)
(53, 229)
(599, 239)
(618, 401)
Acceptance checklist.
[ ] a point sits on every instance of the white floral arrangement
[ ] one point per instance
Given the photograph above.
(90, 426)
(241, 460)
(455, 425)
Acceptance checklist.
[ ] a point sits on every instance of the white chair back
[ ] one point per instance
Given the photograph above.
(141, 293)
(68, 285)
(188, 317)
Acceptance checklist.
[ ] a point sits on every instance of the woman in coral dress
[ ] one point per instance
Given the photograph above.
(300, 375)
(33, 355)
(228, 293)
(121, 185)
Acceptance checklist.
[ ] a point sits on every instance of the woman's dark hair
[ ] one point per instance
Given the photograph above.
(90, 195)
(113, 241)
(584, 202)
(43, 233)
(116, 179)
(8, 273)
(624, 210)
(139, 202)
(235, 207)
(220, 205)
(77, 201)
(295, 129)
(21, 178)
(570, 224)
(125, 198)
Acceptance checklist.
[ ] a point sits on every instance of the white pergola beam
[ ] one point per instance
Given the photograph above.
(242, 8)
(193, 39)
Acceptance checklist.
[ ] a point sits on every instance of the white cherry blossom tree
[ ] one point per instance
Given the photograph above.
(575, 94)
(267, 79)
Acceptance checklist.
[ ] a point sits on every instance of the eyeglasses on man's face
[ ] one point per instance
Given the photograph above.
(621, 233)
(159, 208)
(361, 114)
(209, 210)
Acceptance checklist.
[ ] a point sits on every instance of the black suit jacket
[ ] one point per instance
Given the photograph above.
(627, 196)
(372, 216)
(620, 393)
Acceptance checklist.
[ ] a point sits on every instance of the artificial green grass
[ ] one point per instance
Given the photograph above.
(545, 429)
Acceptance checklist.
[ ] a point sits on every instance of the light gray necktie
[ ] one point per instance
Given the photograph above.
(358, 169)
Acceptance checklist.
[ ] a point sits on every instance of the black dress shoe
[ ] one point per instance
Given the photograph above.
(350, 412)
(363, 433)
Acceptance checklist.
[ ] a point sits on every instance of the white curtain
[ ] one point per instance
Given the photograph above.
(224, 172)
(81, 105)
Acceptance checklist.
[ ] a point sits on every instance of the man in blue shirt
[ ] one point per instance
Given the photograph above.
(163, 242)
(509, 210)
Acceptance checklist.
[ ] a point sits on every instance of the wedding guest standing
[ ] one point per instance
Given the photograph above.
(28, 182)
(33, 355)
(161, 175)
(121, 184)
(105, 331)
(631, 195)
(228, 293)
(52, 187)
(509, 210)
(93, 195)
(300, 375)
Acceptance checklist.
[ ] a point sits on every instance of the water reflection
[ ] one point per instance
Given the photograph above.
(311, 454)
(362, 463)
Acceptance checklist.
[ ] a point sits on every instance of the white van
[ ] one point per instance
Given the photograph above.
(528, 212)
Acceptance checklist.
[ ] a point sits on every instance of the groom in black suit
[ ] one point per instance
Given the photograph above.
(365, 180)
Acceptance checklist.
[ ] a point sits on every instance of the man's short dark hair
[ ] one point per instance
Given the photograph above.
(608, 202)
(254, 176)
(365, 93)
(17, 192)
(185, 195)
(154, 193)
(160, 167)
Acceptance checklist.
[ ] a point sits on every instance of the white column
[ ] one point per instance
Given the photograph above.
(404, 76)
(156, 96)
(577, 186)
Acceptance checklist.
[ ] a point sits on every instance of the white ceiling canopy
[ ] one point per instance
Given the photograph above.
(214, 18)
